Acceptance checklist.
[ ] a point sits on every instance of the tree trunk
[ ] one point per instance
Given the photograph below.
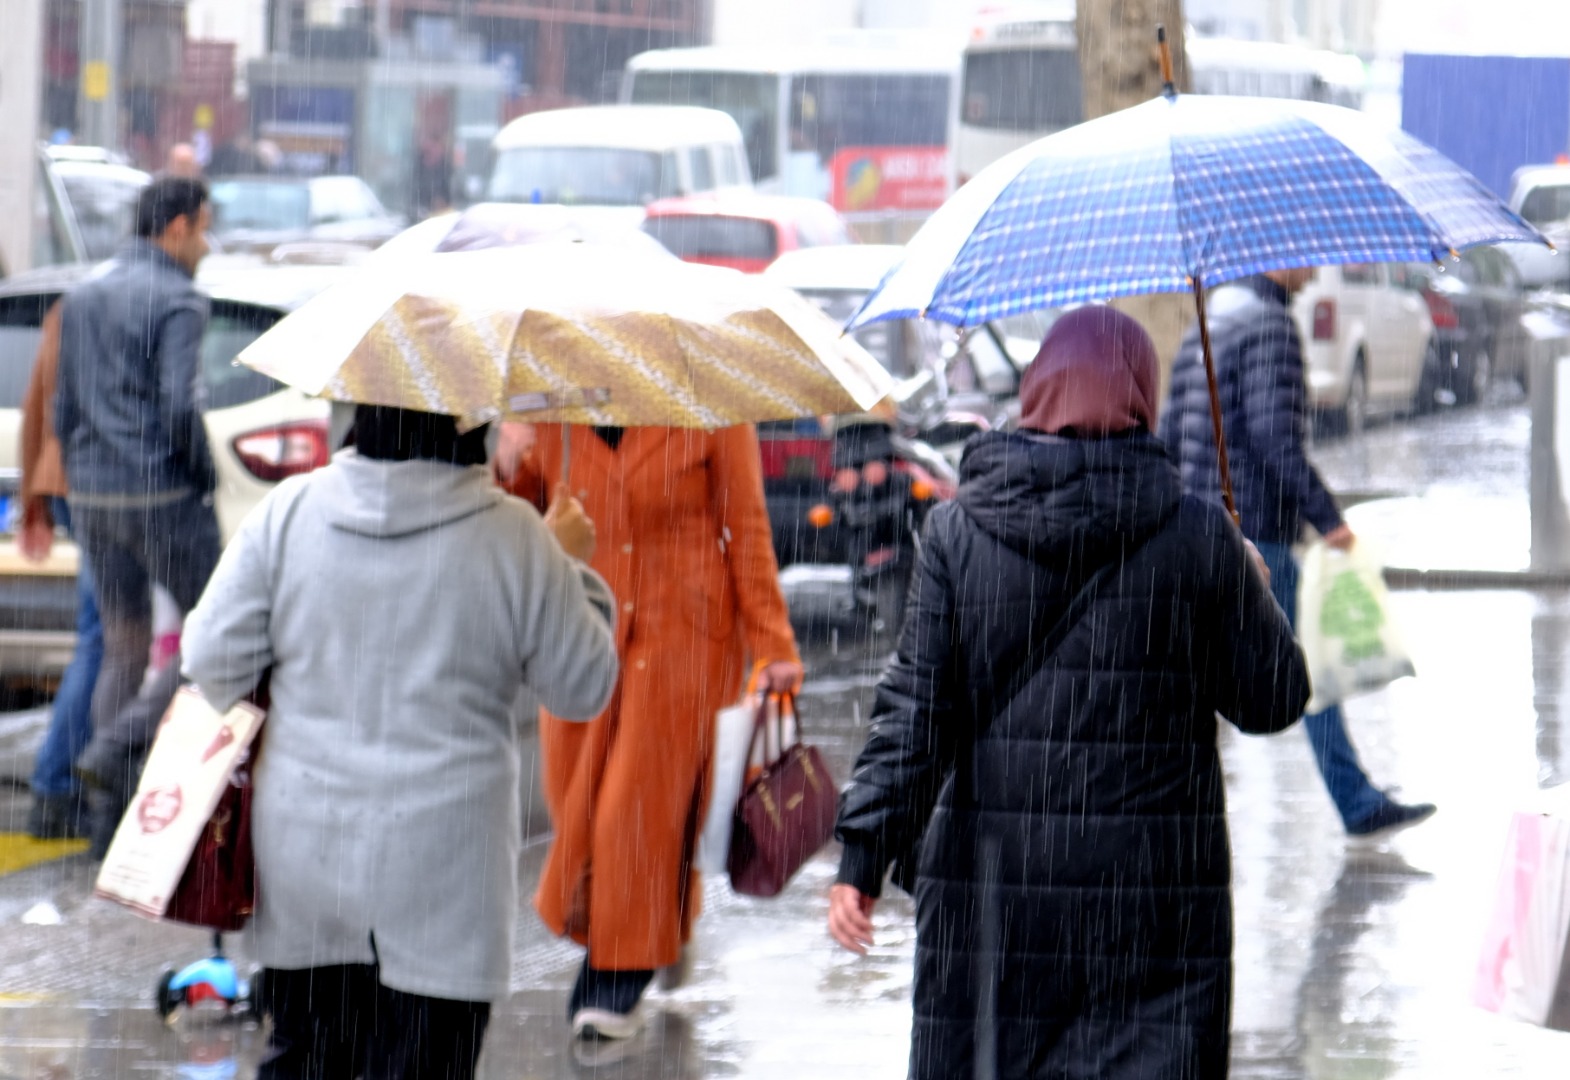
(1120, 67)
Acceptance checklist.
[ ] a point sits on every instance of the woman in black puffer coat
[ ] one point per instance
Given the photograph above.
(1042, 770)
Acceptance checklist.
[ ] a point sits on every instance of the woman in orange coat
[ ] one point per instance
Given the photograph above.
(684, 543)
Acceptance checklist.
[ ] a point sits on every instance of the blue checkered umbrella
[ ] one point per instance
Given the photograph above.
(1180, 194)
(1185, 192)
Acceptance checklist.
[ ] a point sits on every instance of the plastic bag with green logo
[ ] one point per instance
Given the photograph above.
(1344, 624)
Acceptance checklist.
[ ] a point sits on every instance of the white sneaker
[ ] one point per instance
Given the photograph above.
(604, 1024)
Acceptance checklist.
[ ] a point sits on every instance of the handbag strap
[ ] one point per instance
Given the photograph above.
(760, 724)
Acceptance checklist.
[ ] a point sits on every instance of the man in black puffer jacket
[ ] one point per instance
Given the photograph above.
(1073, 903)
(1259, 370)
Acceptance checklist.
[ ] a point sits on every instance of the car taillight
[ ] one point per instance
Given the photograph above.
(1442, 311)
(797, 459)
(1325, 320)
(276, 453)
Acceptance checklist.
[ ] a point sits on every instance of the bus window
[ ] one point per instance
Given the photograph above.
(831, 111)
(751, 100)
(1035, 90)
(836, 119)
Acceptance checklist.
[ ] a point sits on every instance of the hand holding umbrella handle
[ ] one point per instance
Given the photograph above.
(574, 529)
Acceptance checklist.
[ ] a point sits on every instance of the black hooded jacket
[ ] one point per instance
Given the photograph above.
(1259, 373)
(1073, 903)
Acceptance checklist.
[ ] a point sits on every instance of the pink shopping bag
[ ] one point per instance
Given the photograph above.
(1522, 972)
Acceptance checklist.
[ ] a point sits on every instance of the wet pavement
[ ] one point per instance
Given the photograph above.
(1354, 961)
(1441, 492)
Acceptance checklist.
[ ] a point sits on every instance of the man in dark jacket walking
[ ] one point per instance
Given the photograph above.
(1045, 741)
(141, 477)
(1259, 368)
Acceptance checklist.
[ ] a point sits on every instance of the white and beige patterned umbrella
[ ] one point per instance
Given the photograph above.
(576, 333)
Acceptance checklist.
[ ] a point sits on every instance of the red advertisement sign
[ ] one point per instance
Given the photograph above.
(890, 178)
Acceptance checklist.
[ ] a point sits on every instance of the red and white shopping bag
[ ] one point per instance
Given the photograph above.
(192, 757)
(1522, 972)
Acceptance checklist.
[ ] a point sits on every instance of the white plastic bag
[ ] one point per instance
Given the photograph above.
(733, 729)
(1344, 625)
(733, 755)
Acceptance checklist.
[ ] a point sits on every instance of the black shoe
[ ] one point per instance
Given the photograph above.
(57, 817)
(1391, 818)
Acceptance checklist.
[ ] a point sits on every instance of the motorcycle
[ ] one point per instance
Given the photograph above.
(883, 486)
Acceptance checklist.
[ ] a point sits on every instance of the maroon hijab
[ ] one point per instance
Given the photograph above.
(1096, 375)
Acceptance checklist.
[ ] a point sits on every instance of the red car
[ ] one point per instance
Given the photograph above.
(742, 230)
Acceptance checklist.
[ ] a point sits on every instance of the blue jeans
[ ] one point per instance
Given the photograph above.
(71, 720)
(1354, 796)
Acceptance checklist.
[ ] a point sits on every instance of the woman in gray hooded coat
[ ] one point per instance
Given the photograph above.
(401, 602)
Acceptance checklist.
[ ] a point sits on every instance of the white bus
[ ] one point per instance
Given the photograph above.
(864, 121)
(1021, 78)
(1019, 82)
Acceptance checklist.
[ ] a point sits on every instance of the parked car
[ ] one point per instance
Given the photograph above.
(1476, 305)
(257, 213)
(619, 156)
(743, 230)
(1541, 194)
(260, 430)
(1366, 339)
(84, 201)
(947, 389)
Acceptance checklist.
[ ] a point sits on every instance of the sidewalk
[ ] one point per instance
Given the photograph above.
(1351, 961)
(1443, 498)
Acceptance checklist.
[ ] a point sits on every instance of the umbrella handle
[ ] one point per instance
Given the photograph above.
(1168, 86)
(1215, 405)
(566, 453)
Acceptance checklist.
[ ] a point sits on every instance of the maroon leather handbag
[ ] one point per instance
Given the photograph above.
(218, 888)
(785, 815)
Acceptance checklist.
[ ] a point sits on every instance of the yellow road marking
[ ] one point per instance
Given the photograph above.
(18, 851)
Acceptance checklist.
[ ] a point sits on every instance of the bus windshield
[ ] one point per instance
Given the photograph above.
(752, 100)
(1035, 90)
(875, 141)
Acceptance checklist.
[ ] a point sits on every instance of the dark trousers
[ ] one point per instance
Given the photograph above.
(128, 550)
(341, 1023)
(613, 991)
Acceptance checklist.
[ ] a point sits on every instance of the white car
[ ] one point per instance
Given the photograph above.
(260, 432)
(1541, 194)
(1366, 337)
(622, 156)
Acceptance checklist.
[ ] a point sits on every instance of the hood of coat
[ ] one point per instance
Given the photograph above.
(1045, 496)
(398, 498)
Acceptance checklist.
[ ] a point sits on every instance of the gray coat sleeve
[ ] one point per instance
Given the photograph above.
(573, 667)
(226, 644)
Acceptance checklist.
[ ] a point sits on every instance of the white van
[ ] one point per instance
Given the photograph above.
(617, 155)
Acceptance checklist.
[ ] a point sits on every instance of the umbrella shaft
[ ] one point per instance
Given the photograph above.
(1215, 404)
